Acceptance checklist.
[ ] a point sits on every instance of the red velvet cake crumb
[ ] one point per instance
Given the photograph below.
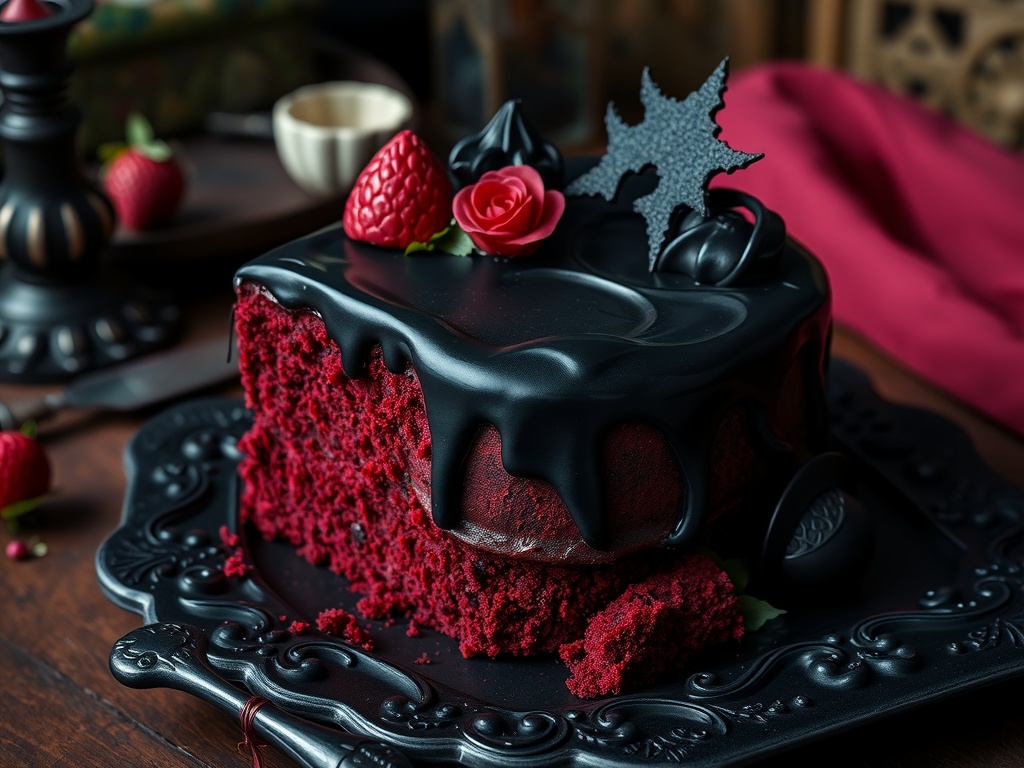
(655, 627)
(298, 627)
(228, 537)
(422, 659)
(235, 564)
(338, 621)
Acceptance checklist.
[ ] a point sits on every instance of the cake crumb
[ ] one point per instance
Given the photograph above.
(229, 537)
(298, 627)
(414, 629)
(235, 564)
(338, 621)
(423, 659)
(653, 629)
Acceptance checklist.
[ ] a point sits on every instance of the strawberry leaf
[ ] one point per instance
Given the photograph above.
(28, 429)
(138, 130)
(140, 137)
(19, 508)
(108, 151)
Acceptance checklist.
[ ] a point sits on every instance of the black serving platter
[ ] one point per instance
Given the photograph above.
(939, 612)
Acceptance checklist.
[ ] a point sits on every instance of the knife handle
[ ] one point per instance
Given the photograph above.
(16, 412)
(166, 655)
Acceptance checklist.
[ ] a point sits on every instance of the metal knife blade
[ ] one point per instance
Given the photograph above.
(149, 380)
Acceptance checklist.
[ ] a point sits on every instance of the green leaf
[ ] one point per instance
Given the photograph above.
(28, 429)
(456, 242)
(140, 137)
(430, 245)
(452, 239)
(138, 130)
(416, 247)
(107, 151)
(757, 612)
(734, 569)
(19, 508)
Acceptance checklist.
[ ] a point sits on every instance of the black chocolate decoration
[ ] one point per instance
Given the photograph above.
(508, 139)
(724, 248)
(556, 349)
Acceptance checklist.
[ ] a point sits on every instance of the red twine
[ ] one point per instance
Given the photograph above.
(247, 719)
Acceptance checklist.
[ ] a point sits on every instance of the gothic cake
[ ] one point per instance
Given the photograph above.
(520, 426)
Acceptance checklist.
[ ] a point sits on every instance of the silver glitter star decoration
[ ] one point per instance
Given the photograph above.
(680, 139)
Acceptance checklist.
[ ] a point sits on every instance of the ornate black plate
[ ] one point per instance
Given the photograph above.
(940, 611)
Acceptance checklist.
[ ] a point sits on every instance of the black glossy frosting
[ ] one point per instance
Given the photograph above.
(507, 139)
(557, 348)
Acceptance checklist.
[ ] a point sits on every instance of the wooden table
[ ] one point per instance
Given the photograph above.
(61, 706)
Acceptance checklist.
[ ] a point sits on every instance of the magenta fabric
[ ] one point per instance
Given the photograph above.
(918, 220)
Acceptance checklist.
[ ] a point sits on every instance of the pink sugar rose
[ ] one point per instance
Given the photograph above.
(508, 212)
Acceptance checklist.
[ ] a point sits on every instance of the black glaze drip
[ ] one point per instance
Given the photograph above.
(508, 139)
(557, 348)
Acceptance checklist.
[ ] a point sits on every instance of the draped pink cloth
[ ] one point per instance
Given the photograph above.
(918, 220)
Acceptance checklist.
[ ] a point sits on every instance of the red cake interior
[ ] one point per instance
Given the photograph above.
(339, 467)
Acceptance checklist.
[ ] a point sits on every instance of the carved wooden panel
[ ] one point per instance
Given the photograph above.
(962, 57)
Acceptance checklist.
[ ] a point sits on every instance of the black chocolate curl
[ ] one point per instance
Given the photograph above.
(724, 248)
(508, 139)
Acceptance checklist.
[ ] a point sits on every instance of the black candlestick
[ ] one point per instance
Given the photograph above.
(61, 311)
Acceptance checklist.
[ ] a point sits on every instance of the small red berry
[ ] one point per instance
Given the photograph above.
(17, 549)
(15, 11)
(24, 470)
(403, 195)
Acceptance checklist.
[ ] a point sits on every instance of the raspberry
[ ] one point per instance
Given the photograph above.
(402, 196)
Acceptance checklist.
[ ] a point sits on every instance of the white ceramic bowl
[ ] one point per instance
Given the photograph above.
(327, 132)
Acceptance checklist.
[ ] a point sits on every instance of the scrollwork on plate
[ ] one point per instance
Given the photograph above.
(243, 629)
(998, 633)
(655, 730)
(420, 716)
(827, 663)
(515, 733)
(606, 726)
(144, 560)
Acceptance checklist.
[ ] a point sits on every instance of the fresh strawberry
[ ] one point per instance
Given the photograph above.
(24, 474)
(403, 196)
(144, 179)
